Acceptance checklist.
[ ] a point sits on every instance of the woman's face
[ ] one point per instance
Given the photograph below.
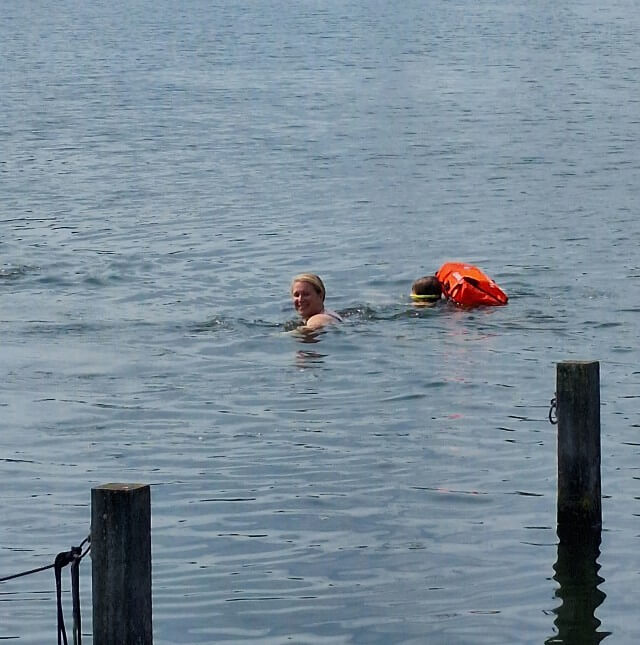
(306, 299)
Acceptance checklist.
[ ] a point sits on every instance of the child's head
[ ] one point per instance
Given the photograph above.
(426, 290)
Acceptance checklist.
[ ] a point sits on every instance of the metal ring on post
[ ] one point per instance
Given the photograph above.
(553, 412)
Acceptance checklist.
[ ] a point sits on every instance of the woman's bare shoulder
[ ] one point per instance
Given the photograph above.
(321, 320)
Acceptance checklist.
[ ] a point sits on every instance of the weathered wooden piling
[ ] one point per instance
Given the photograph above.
(578, 413)
(121, 564)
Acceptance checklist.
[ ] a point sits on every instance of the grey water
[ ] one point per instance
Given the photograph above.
(166, 168)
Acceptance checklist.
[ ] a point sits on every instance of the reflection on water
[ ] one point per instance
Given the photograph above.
(291, 325)
(578, 579)
(13, 273)
(309, 358)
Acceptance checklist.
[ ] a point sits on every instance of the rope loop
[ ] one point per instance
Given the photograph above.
(73, 557)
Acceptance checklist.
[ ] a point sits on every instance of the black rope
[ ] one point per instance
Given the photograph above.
(62, 560)
(26, 573)
(75, 594)
(75, 599)
(73, 557)
(87, 540)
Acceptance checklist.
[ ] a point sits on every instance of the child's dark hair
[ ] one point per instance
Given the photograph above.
(428, 285)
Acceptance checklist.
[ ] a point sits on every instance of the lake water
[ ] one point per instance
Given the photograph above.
(167, 167)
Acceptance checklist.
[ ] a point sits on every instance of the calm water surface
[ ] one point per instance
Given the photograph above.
(167, 168)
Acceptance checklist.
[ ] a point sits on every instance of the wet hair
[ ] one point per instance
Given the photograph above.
(314, 280)
(428, 285)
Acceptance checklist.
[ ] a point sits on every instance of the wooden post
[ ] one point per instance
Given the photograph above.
(578, 403)
(121, 564)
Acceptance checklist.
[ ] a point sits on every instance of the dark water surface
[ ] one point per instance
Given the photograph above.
(167, 167)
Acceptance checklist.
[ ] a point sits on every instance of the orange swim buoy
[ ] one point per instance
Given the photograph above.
(468, 286)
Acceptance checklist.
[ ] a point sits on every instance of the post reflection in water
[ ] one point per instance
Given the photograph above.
(576, 572)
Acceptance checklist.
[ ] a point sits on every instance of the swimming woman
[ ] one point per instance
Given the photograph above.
(308, 293)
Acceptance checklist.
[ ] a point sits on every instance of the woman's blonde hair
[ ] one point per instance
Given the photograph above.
(314, 280)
